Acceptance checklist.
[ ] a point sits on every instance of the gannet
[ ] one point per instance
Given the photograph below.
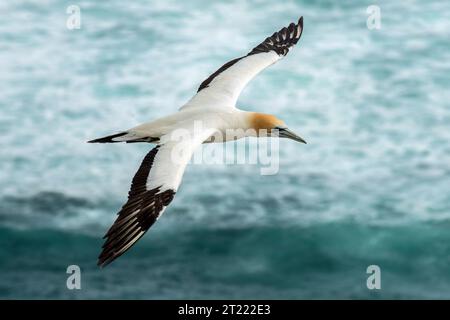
(214, 105)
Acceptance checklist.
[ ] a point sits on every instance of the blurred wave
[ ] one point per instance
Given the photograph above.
(322, 261)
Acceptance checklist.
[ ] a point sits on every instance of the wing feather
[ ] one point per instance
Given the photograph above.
(152, 189)
(223, 87)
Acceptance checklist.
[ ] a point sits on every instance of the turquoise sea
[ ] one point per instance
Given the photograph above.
(371, 187)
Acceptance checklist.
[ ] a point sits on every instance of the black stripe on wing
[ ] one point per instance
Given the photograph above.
(137, 215)
(280, 42)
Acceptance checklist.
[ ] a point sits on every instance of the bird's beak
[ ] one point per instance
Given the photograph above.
(286, 133)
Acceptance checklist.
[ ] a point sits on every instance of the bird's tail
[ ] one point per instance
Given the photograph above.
(127, 137)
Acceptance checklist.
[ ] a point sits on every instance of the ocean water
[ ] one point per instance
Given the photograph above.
(371, 187)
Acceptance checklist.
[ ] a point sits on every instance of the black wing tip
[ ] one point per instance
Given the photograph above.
(300, 23)
(104, 261)
(107, 256)
(108, 139)
(123, 235)
(101, 263)
(262, 47)
(281, 41)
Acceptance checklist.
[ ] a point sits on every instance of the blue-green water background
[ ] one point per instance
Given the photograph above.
(371, 187)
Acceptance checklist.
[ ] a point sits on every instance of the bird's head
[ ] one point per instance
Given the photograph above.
(272, 126)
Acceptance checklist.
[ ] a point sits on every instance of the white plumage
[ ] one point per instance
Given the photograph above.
(224, 89)
(210, 112)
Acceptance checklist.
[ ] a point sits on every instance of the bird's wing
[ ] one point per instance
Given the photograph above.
(153, 188)
(222, 88)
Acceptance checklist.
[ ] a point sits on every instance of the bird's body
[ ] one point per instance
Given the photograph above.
(210, 116)
(220, 119)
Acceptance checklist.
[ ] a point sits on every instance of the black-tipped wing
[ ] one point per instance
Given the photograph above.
(153, 187)
(143, 208)
(222, 88)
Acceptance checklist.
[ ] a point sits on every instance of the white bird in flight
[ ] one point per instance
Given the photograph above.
(157, 179)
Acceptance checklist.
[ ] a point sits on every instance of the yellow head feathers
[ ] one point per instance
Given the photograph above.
(260, 121)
